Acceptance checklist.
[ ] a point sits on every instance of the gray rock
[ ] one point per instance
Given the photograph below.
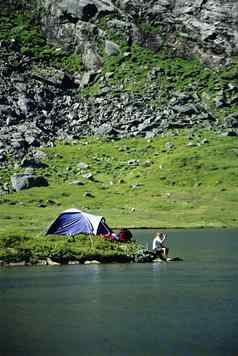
(119, 26)
(32, 163)
(73, 10)
(230, 133)
(133, 162)
(39, 155)
(88, 195)
(16, 264)
(77, 182)
(50, 262)
(136, 186)
(207, 28)
(25, 104)
(41, 262)
(27, 181)
(169, 146)
(220, 103)
(147, 163)
(106, 129)
(231, 121)
(88, 176)
(92, 262)
(185, 109)
(87, 78)
(82, 165)
(111, 48)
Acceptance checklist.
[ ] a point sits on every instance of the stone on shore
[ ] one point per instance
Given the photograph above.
(50, 262)
(92, 262)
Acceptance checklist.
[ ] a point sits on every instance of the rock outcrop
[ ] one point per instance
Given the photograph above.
(35, 112)
(208, 28)
(27, 180)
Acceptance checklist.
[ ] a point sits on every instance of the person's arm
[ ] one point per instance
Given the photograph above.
(164, 237)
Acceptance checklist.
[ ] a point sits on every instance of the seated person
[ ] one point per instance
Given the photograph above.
(159, 247)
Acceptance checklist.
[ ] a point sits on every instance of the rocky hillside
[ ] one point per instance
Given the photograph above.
(120, 68)
(207, 28)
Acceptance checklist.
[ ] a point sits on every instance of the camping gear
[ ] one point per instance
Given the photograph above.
(73, 221)
(125, 235)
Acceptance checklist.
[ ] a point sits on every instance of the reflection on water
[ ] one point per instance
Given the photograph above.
(185, 308)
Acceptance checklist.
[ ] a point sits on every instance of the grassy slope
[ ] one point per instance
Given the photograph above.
(184, 187)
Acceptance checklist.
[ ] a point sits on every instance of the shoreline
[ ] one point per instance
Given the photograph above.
(80, 251)
(180, 228)
(25, 256)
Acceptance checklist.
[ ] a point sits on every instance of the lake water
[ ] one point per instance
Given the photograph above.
(168, 309)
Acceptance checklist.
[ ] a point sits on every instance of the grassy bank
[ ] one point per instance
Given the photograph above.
(18, 247)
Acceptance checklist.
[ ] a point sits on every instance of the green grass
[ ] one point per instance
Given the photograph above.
(17, 247)
(185, 187)
(22, 26)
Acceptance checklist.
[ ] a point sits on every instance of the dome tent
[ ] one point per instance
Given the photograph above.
(73, 221)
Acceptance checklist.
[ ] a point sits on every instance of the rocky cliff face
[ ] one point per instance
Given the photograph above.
(121, 89)
(208, 28)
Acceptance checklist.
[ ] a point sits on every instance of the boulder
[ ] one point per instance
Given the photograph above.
(73, 10)
(133, 162)
(88, 176)
(92, 262)
(73, 263)
(169, 146)
(136, 186)
(77, 182)
(106, 129)
(26, 181)
(25, 104)
(50, 262)
(231, 121)
(87, 78)
(32, 163)
(91, 60)
(41, 262)
(111, 48)
(88, 195)
(82, 165)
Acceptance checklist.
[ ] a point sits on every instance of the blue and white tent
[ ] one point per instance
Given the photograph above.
(73, 221)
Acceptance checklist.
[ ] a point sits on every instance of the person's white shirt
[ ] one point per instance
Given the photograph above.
(157, 242)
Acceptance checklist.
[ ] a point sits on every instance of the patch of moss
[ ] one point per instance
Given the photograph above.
(16, 247)
(21, 25)
(149, 28)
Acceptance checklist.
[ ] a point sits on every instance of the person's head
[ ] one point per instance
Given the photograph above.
(160, 235)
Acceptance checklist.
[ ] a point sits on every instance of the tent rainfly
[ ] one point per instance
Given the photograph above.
(73, 221)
